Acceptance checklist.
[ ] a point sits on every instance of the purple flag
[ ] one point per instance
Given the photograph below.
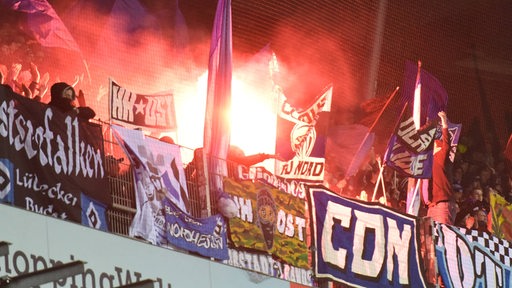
(454, 130)
(217, 130)
(346, 144)
(44, 23)
(434, 97)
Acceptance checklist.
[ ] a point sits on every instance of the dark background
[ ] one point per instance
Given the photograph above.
(465, 44)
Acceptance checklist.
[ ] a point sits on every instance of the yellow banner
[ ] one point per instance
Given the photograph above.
(501, 213)
(269, 220)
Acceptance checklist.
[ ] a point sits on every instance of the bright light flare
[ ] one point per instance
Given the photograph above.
(253, 121)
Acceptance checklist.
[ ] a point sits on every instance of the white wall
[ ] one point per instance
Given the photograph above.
(113, 259)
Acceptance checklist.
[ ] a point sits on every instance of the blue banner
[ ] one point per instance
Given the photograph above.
(206, 236)
(406, 162)
(364, 244)
(409, 151)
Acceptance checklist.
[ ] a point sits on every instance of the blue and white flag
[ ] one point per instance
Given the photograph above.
(206, 236)
(301, 138)
(158, 175)
(471, 258)
(217, 126)
(94, 213)
(454, 130)
(424, 87)
(364, 244)
(409, 150)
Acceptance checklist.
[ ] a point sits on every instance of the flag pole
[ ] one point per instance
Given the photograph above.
(380, 180)
(87, 70)
(355, 162)
(413, 199)
(217, 129)
(384, 108)
(417, 98)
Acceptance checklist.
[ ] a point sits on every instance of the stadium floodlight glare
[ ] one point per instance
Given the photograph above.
(147, 283)
(43, 276)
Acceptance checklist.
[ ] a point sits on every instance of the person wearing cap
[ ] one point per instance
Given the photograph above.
(63, 98)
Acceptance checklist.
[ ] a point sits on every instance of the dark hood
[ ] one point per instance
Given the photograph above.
(57, 100)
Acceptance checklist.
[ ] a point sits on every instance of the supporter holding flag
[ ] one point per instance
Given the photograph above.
(410, 148)
(440, 206)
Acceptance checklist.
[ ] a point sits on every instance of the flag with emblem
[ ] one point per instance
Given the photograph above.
(301, 138)
(94, 213)
(6, 185)
(158, 175)
(159, 158)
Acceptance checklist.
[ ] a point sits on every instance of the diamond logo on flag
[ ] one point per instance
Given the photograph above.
(92, 216)
(5, 180)
(93, 213)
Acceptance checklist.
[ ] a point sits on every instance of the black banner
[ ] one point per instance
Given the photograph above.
(48, 158)
(149, 111)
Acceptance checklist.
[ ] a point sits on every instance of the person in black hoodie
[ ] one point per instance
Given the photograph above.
(63, 98)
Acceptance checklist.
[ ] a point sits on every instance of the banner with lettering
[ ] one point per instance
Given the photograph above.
(301, 138)
(149, 111)
(470, 258)
(158, 174)
(295, 188)
(269, 220)
(48, 159)
(206, 236)
(265, 264)
(364, 244)
(409, 150)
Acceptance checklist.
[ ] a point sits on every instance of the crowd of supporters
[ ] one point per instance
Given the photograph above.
(477, 171)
